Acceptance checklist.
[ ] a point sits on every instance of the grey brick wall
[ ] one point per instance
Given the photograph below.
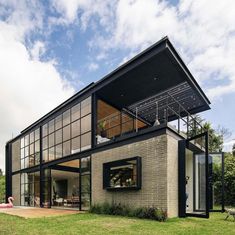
(159, 174)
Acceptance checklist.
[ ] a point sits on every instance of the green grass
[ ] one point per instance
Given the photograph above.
(101, 224)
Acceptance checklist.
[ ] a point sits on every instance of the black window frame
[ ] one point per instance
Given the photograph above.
(106, 173)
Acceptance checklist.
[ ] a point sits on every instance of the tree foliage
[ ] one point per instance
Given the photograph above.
(2, 188)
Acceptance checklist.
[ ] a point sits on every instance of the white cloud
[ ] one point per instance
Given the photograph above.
(93, 66)
(202, 31)
(29, 87)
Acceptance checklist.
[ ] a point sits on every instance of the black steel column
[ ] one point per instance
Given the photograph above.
(41, 170)
(8, 171)
(181, 178)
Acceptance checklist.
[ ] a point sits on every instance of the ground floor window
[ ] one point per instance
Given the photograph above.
(30, 189)
(122, 174)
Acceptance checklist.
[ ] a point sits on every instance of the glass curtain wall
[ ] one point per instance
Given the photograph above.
(30, 189)
(68, 133)
(111, 122)
(85, 172)
(30, 149)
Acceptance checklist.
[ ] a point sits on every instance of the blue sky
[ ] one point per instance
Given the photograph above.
(52, 49)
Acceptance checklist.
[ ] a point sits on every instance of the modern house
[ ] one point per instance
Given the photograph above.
(129, 138)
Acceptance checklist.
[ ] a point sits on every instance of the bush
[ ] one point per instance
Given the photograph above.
(124, 210)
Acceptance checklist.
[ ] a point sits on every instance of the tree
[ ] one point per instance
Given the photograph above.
(1, 172)
(216, 136)
(233, 150)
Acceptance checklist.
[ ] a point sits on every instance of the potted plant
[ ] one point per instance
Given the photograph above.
(103, 132)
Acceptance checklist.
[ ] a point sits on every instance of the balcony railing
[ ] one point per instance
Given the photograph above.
(166, 110)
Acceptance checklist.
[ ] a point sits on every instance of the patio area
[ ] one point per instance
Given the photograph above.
(27, 212)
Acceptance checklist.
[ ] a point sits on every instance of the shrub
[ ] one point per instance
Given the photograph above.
(124, 210)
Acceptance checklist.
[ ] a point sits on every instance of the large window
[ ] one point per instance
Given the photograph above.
(30, 149)
(85, 183)
(112, 122)
(68, 133)
(30, 189)
(122, 174)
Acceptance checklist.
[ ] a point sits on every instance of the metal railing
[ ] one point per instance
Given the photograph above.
(171, 110)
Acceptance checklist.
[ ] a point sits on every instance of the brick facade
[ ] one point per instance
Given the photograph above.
(159, 174)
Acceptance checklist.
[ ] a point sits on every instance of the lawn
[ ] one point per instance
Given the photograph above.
(101, 224)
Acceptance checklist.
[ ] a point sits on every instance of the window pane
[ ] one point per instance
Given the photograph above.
(75, 112)
(22, 163)
(31, 149)
(58, 151)
(22, 142)
(86, 124)
(26, 162)
(45, 143)
(66, 117)
(66, 148)
(51, 140)
(26, 151)
(86, 141)
(45, 156)
(76, 128)
(31, 137)
(37, 135)
(58, 122)
(86, 164)
(37, 158)
(51, 153)
(51, 126)
(86, 106)
(45, 130)
(37, 146)
(58, 136)
(31, 161)
(22, 153)
(66, 133)
(26, 140)
(76, 145)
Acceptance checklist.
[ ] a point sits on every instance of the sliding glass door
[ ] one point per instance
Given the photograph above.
(193, 177)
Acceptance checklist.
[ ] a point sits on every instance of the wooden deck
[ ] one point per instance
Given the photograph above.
(32, 212)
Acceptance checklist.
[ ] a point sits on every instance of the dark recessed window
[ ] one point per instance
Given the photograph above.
(122, 174)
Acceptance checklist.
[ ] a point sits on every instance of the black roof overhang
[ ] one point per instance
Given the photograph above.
(160, 60)
(155, 70)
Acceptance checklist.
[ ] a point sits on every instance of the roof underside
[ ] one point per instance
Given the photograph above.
(161, 78)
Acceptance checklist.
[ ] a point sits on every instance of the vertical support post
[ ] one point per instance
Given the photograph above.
(179, 120)
(187, 126)
(121, 122)
(223, 209)
(93, 120)
(8, 171)
(136, 120)
(207, 174)
(41, 170)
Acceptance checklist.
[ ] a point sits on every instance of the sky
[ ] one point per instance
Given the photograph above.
(51, 49)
